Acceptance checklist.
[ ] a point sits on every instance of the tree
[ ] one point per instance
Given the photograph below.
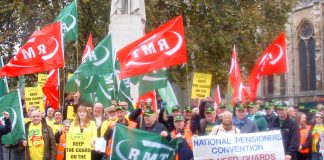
(211, 27)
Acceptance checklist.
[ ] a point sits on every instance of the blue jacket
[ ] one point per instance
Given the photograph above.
(245, 125)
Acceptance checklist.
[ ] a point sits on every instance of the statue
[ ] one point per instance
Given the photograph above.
(130, 7)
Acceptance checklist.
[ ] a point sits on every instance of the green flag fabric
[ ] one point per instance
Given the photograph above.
(168, 96)
(137, 144)
(69, 18)
(124, 93)
(3, 81)
(11, 103)
(72, 84)
(155, 80)
(99, 61)
(94, 89)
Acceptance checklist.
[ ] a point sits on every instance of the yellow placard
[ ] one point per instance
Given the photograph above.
(78, 146)
(70, 113)
(34, 97)
(41, 79)
(201, 85)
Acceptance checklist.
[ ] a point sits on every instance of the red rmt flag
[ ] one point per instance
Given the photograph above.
(163, 47)
(42, 52)
(273, 61)
(88, 48)
(50, 89)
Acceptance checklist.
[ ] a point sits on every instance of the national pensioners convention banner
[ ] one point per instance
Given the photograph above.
(261, 145)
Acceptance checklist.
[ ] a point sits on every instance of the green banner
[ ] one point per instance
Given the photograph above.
(137, 144)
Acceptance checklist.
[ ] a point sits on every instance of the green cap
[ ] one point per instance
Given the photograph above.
(178, 118)
(241, 107)
(281, 105)
(187, 108)
(175, 108)
(268, 105)
(148, 112)
(121, 108)
(210, 110)
(253, 105)
(222, 105)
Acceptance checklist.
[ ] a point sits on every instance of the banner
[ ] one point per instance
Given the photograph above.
(78, 146)
(138, 144)
(34, 97)
(262, 145)
(41, 79)
(201, 85)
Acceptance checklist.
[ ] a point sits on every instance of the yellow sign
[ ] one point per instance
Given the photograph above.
(41, 79)
(70, 113)
(78, 146)
(34, 97)
(201, 85)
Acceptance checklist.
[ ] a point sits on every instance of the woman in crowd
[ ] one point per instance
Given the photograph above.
(313, 138)
(83, 124)
(303, 153)
(227, 126)
(60, 138)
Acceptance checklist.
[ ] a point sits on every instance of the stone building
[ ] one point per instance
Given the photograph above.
(303, 86)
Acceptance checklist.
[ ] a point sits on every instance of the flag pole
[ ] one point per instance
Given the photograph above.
(188, 85)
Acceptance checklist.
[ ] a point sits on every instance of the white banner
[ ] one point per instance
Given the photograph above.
(262, 145)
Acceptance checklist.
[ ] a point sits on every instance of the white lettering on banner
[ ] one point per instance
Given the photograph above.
(28, 54)
(133, 154)
(148, 49)
(149, 156)
(67, 29)
(92, 56)
(239, 146)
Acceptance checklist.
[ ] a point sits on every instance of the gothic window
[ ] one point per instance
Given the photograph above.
(306, 51)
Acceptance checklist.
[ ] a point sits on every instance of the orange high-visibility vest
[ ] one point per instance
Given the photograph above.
(188, 136)
(108, 148)
(61, 147)
(303, 137)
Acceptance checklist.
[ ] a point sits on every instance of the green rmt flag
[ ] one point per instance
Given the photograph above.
(152, 81)
(11, 103)
(134, 144)
(99, 61)
(124, 93)
(69, 18)
(168, 96)
(3, 81)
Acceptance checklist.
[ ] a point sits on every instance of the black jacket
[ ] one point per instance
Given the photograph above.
(4, 129)
(290, 135)
(271, 118)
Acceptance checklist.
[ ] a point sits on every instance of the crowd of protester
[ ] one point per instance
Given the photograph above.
(45, 133)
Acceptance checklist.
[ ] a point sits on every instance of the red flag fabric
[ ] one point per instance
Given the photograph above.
(88, 48)
(239, 91)
(273, 61)
(163, 47)
(50, 89)
(149, 96)
(43, 51)
(217, 98)
(234, 74)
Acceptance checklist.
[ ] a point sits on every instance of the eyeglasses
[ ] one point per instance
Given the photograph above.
(318, 117)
